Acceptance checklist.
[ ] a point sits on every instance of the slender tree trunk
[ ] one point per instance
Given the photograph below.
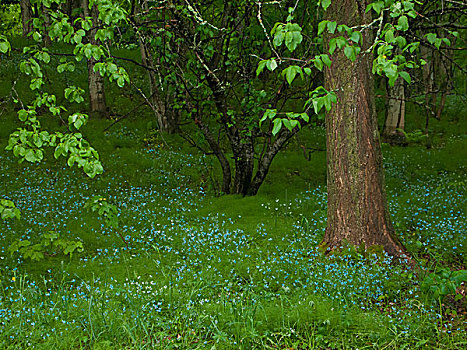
(166, 119)
(45, 13)
(357, 206)
(428, 79)
(26, 17)
(266, 160)
(97, 104)
(69, 8)
(445, 74)
(395, 114)
(162, 101)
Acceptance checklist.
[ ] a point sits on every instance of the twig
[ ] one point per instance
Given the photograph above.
(152, 107)
(17, 95)
(260, 20)
(124, 116)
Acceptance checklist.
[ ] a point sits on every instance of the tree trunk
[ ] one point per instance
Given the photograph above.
(26, 17)
(97, 104)
(357, 206)
(162, 101)
(220, 155)
(243, 153)
(395, 114)
(167, 118)
(71, 8)
(266, 160)
(45, 14)
(428, 79)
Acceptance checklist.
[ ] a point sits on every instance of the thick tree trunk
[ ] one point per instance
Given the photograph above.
(97, 104)
(357, 206)
(395, 114)
(26, 17)
(243, 153)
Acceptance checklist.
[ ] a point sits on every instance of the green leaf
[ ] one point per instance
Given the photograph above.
(4, 46)
(327, 102)
(326, 60)
(325, 4)
(317, 104)
(277, 126)
(271, 64)
(279, 36)
(59, 150)
(349, 52)
(268, 114)
(377, 6)
(403, 23)
(400, 40)
(341, 42)
(331, 27)
(23, 115)
(290, 73)
(318, 63)
(30, 156)
(355, 36)
(121, 81)
(431, 37)
(293, 39)
(332, 45)
(405, 76)
(459, 276)
(447, 41)
(322, 27)
(389, 36)
(287, 124)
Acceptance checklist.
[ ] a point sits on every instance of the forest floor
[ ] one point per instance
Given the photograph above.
(188, 269)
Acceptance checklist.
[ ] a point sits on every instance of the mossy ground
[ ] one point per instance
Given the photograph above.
(204, 271)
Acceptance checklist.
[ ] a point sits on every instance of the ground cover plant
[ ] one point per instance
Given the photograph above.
(225, 272)
(147, 252)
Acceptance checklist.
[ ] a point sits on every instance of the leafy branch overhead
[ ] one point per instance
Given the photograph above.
(28, 143)
(387, 60)
(8, 210)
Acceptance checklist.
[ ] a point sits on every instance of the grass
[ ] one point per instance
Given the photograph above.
(228, 272)
(208, 272)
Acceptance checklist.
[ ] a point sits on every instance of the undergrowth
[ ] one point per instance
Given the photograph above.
(188, 269)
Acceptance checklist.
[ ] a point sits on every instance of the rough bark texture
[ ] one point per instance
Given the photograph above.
(357, 206)
(395, 114)
(97, 104)
(26, 17)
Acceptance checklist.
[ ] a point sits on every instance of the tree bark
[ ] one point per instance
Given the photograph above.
(395, 114)
(97, 104)
(45, 14)
(357, 207)
(167, 117)
(266, 160)
(226, 171)
(26, 17)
